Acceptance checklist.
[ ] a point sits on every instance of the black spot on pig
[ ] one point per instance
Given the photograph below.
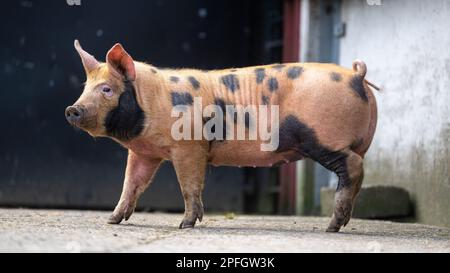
(181, 98)
(278, 67)
(174, 79)
(297, 136)
(356, 83)
(260, 75)
(336, 77)
(126, 120)
(265, 100)
(195, 84)
(247, 119)
(205, 120)
(221, 104)
(231, 82)
(294, 72)
(273, 84)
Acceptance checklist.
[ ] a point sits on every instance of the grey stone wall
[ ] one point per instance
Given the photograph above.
(406, 45)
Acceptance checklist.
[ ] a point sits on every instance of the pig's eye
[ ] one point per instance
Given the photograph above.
(107, 90)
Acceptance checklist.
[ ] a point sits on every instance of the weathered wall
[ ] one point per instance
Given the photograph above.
(406, 45)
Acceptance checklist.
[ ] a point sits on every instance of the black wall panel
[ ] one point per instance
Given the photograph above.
(43, 161)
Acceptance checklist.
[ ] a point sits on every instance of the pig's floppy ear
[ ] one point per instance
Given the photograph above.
(89, 62)
(121, 62)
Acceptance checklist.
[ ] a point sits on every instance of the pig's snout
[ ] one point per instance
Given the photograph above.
(74, 114)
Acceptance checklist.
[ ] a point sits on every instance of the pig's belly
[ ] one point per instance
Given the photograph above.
(248, 153)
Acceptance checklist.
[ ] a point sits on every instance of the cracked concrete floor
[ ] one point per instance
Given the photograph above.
(26, 230)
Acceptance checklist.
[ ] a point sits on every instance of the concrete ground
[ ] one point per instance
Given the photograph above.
(25, 230)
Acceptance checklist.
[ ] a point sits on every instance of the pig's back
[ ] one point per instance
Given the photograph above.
(328, 100)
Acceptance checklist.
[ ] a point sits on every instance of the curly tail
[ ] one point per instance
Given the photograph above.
(360, 68)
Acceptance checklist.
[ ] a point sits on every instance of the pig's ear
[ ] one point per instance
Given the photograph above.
(121, 62)
(89, 62)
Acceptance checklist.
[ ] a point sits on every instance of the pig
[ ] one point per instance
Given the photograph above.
(326, 113)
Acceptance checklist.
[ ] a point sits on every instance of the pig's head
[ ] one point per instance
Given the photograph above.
(107, 106)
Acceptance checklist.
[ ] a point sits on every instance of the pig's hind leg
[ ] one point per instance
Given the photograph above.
(298, 136)
(138, 175)
(349, 169)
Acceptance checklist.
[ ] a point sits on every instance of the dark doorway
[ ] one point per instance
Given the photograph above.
(44, 162)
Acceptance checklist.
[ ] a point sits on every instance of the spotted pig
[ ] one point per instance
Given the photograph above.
(326, 112)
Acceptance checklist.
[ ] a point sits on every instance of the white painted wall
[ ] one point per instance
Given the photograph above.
(406, 45)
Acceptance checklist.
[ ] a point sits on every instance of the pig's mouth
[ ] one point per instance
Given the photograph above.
(87, 124)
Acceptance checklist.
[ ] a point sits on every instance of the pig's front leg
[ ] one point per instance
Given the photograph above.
(190, 165)
(138, 175)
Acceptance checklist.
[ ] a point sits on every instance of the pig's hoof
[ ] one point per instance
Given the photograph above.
(190, 218)
(187, 224)
(335, 224)
(333, 229)
(115, 219)
(341, 216)
(339, 219)
(120, 214)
